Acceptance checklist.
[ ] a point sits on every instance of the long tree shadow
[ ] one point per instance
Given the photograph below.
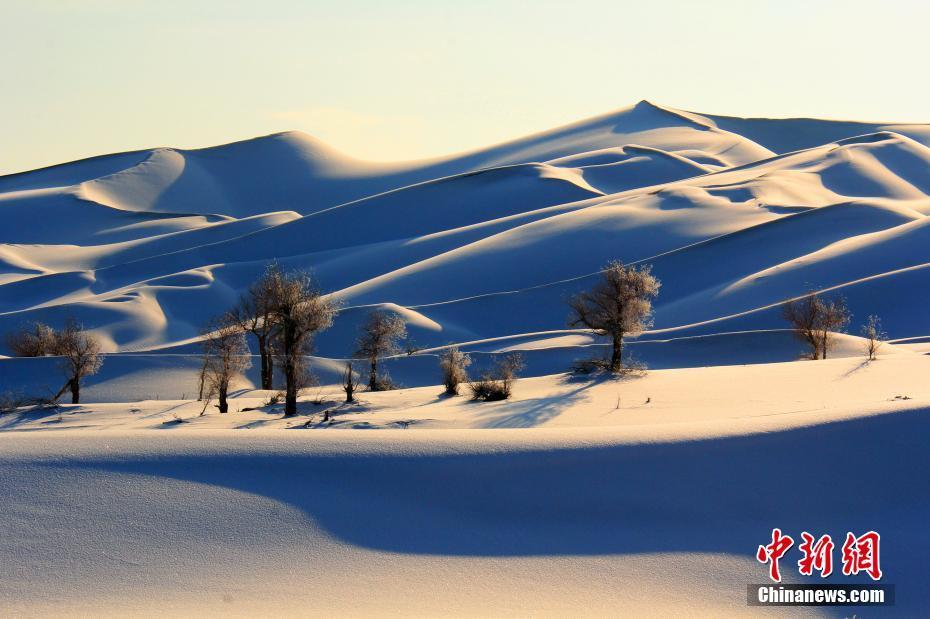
(536, 411)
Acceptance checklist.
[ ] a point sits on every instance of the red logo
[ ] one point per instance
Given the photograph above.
(860, 554)
(773, 552)
(817, 556)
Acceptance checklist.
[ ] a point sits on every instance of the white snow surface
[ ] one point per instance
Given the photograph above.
(639, 497)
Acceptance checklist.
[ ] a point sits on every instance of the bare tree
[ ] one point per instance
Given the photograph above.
(80, 357)
(225, 357)
(350, 382)
(202, 378)
(35, 342)
(253, 313)
(619, 305)
(874, 336)
(497, 384)
(804, 316)
(816, 320)
(454, 365)
(299, 311)
(835, 316)
(381, 336)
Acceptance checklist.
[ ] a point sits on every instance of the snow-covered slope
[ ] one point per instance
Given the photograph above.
(735, 215)
(646, 497)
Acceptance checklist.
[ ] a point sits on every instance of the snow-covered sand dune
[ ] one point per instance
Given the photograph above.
(735, 214)
(642, 496)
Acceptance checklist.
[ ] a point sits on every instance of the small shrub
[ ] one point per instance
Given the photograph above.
(497, 384)
(874, 336)
(38, 341)
(454, 363)
(383, 382)
(488, 389)
(630, 367)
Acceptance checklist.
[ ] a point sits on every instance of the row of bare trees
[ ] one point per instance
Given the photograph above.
(817, 319)
(284, 311)
(79, 351)
(619, 305)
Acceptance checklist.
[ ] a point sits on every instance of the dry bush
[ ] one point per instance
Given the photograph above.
(497, 384)
(874, 336)
(383, 382)
(37, 341)
(454, 365)
(630, 366)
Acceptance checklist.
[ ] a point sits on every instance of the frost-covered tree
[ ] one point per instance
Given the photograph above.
(835, 317)
(618, 306)
(225, 357)
(381, 335)
(80, 352)
(253, 314)
(454, 365)
(874, 336)
(299, 311)
(816, 319)
(803, 315)
(36, 341)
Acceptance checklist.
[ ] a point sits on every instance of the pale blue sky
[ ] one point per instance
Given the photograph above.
(400, 80)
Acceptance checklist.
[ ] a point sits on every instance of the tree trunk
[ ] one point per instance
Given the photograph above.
(267, 366)
(75, 391)
(348, 383)
(373, 375)
(61, 391)
(290, 392)
(616, 356)
(290, 371)
(813, 340)
(270, 371)
(223, 405)
(203, 380)
(823, 345)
